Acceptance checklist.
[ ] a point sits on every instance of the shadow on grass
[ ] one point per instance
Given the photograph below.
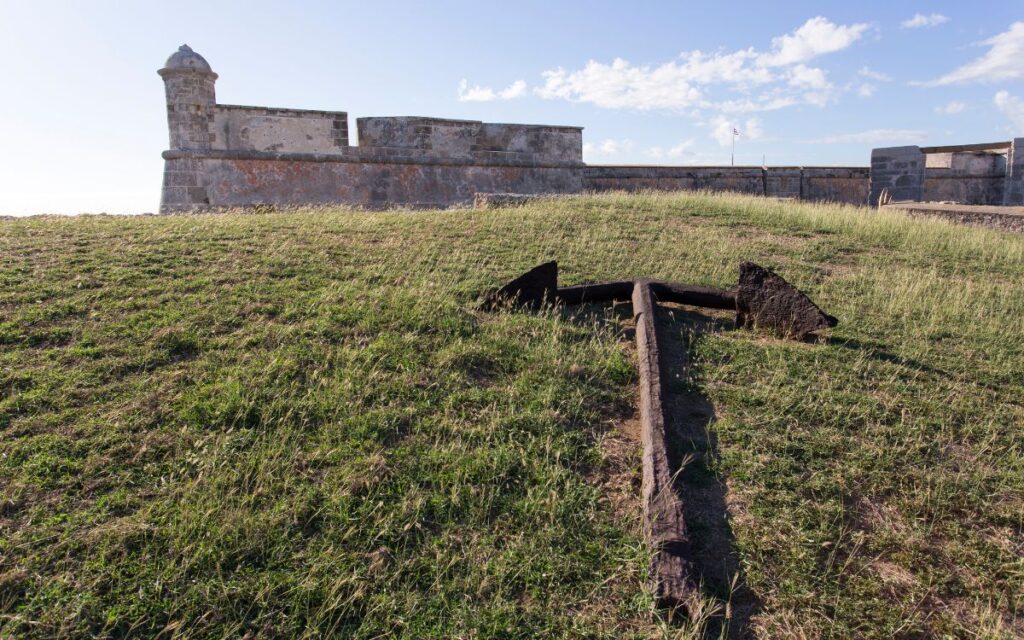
(689, 414)
(878, 351)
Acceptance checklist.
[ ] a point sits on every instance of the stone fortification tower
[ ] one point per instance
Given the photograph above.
(189, 82)
(191, 102)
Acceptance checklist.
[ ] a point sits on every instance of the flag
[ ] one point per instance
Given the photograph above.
(735, 132)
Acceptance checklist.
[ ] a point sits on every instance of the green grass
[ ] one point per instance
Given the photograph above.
(300, 425)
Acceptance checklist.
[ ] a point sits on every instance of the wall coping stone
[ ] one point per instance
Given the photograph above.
(377, 155)
(279, 110)
(454, 122)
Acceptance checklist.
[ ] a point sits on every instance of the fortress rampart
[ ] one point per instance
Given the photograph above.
(224, 155)
(831, 184)
(973, 174)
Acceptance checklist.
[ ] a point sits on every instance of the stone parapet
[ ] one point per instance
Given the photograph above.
(234, 179)
(244, 128)
(832, 184)
(376, 155)
(1013, 192)
(899, 171)
(462, 138)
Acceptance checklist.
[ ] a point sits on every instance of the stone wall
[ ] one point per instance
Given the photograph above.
(829, 184)
(636, 178)
(238, 128)
(949, 185)
(460, 138)
(228, 155)
(900, 170)
(836, 184)
(973, 174)
(1013, 192)
(369, 177)
(378, 177)
(967, 177)
(231, 156)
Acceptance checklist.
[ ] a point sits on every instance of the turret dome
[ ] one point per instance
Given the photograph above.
(185, 59)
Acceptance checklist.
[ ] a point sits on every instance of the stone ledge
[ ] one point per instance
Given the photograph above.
(375, 155)
(280, 111)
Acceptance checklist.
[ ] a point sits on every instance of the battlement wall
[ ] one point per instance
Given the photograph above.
(974, 174)
(831, 184)
(243, 128)
(373, 177)
(224, 155)
(234, 156)
(462, 138)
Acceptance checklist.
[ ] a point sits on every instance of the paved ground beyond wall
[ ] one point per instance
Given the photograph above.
(994, 217)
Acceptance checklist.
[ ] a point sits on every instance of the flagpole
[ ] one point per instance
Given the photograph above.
(732, 157)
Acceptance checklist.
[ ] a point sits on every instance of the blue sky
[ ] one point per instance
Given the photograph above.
(813, 83)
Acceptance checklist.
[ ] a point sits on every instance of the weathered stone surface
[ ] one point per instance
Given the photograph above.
(971, 174)
(460, 138)
(849, 185)
(241, 180)
(241, 128)
(635, 178)
(532, 289)
(764, 299)
(189, 85)
(247, 156)
(965, 177)
(1013, 193)
(898, 169)
(237, 156)
(832, 184)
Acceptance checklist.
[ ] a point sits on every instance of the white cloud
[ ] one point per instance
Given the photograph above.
(722, 130)
(920, 20)
(804, 77)
(681, 149)
(621, 85)
(867, 72)
(682, 83)
(875, 136)
(765, 102)
(682, 153)
(813, 81)
(951, 108)
(515, 90)
(731, 68)
(612, 147)
(487, 94)
(866, 90)
(1003, 61)
(1012, 107)
(816, 37)
(609, 147)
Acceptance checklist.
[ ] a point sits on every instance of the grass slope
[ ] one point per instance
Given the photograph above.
(300, 425)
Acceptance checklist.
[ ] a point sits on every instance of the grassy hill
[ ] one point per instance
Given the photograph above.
(300, 425)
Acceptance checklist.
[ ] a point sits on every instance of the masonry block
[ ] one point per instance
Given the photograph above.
(1013, 190)
(900, 170)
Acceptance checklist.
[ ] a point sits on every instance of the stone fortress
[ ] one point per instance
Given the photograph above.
(223, 156)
